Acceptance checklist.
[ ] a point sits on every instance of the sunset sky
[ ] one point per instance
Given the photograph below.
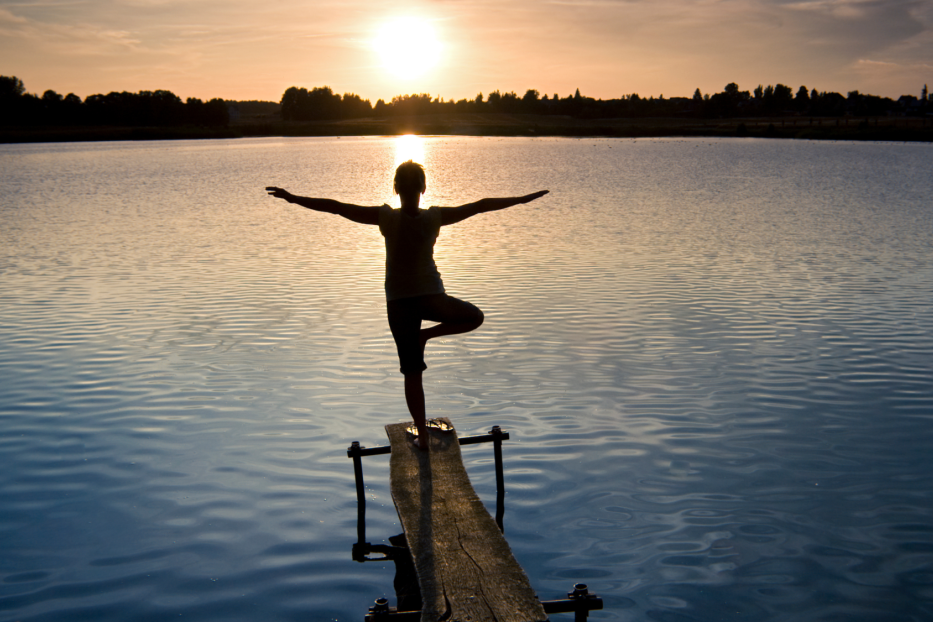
(236, 49)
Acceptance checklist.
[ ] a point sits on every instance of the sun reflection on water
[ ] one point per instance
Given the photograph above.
(411, 147)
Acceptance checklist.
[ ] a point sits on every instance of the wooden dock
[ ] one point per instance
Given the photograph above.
(452, 562)
(466, 570)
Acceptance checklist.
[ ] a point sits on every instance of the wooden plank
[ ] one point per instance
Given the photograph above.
(466, 570)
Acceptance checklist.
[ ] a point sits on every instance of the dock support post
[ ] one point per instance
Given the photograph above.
(496, 433)
(580, 594)
(360, 550)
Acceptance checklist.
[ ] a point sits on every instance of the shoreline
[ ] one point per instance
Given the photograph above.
(898, 129)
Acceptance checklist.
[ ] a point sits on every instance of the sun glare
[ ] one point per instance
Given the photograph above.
(408, 47)
(409, 147)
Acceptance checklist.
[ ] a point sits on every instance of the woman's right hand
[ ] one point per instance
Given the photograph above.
(278, 193)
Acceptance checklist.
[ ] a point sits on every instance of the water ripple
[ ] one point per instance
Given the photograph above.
(713, 357)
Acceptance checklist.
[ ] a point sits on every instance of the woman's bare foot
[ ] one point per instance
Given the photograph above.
(418, 439)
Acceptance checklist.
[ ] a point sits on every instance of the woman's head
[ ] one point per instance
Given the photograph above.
(409, 178)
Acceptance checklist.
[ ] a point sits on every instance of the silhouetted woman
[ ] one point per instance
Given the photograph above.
(414, 289)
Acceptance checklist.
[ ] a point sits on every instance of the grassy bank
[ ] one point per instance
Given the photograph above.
(848, 128)
(91, 134)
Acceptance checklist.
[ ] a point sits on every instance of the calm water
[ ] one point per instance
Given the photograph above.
(715, 359)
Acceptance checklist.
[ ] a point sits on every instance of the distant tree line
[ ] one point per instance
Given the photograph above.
(165, 109)
(780, 100)
(299, 104)
(143, 109)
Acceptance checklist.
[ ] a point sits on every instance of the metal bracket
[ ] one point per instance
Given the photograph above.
(578, 602)
(362, 548)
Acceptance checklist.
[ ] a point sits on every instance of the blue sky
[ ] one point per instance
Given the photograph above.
(607, 48)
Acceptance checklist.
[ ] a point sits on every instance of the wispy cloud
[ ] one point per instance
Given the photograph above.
(875, 65)
(847, 9)
(73, 39)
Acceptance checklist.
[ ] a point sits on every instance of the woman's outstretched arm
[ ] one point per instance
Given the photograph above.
(356, 213)
(451, 215)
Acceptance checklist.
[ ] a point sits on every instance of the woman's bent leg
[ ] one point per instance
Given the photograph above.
(455, 316)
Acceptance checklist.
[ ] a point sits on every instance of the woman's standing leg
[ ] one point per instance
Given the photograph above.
(405, 315)
(414, 398)
(405, 323)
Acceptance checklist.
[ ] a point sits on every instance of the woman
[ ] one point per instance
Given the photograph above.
(414, 289)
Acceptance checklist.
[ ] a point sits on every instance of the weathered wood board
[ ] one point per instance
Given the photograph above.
(463, 562)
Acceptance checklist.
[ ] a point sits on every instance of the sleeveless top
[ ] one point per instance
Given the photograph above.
(410, 267)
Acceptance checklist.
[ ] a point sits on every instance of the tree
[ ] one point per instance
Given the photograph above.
(697, 95)
(510, 102)
(727, 103)
(802, 99)
(530, 100)
(304, 105)
(14, 105)
(52, 108)
(322, 103)
(783, 94)
(212, 114)
(218, 113)
(158, 108)
(146, 108)
(777, 98)
(352, 106)
(11, 87)
(827, 104)
(412, 105)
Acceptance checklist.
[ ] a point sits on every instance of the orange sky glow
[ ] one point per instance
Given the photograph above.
(241, 50)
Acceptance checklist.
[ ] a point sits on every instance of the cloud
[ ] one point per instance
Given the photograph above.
(65, 38)
(8, 19)
(846, 9)
(868, 64)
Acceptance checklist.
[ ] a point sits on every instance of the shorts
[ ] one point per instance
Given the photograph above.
(405, 315)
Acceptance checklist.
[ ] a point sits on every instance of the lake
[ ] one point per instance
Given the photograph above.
(714, 358)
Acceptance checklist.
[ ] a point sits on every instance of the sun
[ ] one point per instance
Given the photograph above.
(408, 47)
